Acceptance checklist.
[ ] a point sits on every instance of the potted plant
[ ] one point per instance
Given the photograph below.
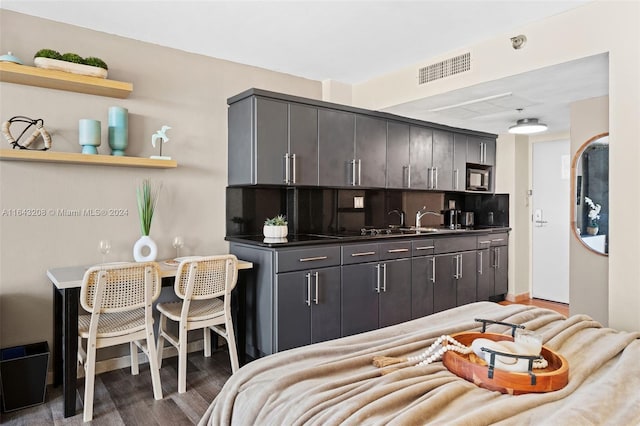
(147, 197)
(275, 227)
(70, 62)
(593, 215)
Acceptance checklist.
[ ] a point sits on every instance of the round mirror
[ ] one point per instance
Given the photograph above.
(590, 209)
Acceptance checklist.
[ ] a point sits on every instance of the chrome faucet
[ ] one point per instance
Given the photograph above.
(422, 212)
(402, 217)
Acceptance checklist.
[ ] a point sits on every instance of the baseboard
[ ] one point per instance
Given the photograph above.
(125, 361)
(517, 298)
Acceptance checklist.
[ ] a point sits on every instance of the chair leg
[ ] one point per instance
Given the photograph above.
(182, 359)
(135, 370)
(153, 364)
(207, 342)
(231, 344)
(89, 380)
(161, 326)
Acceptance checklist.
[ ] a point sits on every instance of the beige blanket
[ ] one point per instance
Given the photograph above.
(335, 382)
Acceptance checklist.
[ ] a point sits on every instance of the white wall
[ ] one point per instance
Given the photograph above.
(595, 28)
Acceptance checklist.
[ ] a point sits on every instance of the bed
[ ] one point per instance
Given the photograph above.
(335, 382)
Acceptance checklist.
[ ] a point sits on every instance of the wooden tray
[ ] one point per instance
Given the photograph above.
(475, 370)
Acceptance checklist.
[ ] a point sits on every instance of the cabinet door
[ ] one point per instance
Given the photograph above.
(444, 289)
(395, 293)
(271, 141)
(359, 310)
(325, 304)
(442, 162)
(485, 275)
(474, 150)
(292, 310)
(489, 151)
(420, 150)
(241, 151)
(422, 279)
(459, 162)
(466, 281)
(303, 143)
(501, 269)
(397, 155)
(335, 147)
(371, 151)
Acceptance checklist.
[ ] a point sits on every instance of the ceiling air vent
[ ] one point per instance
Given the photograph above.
(446, 68)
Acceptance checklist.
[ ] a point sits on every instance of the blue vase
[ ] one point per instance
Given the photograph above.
(89, 135)
(118, 130)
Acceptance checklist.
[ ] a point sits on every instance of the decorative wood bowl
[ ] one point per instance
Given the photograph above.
(470, 367)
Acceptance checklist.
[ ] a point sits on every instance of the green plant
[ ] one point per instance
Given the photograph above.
(72, 57)
(48, 53)
(95, 62)
(279, 220)
(147, 197)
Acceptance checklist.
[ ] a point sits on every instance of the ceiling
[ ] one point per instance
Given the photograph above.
(351, 42)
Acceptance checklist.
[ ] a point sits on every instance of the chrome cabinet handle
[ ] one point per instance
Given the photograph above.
(308, 301)
(312, 259)
(456, 174)
(498, 239)
(293, 168)
(378, 278)
(286, 167)
(364, 253)
(460, 268)
(480, 262)
(409, 176)
(433, 270)
(496, 259)
(384, 281)
(353, 172)
(400, 250)
(425, 248)
(315, 274)
(435, 180)
(359, 172)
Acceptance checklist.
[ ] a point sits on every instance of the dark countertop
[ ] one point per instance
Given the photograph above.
(296, 240)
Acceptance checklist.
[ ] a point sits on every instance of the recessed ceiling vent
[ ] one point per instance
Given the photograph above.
(446, 68)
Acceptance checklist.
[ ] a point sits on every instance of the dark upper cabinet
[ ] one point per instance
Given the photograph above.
(481, 150)
(370, 151)
(398, 135)
(420, 157)
(459, 161)
(336, 147)
(272, 142)
(442, 161)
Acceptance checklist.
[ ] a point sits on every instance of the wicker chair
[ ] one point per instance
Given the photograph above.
(119, 299)
(200, 282)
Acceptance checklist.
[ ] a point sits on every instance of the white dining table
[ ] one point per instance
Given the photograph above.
(66, 299)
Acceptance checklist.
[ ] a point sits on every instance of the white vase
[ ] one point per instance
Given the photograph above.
(272, 231)
(145, 242)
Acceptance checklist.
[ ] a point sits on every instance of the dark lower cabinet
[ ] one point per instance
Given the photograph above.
(307, 307)
(485, 275)
(423, 270)
(493, 268)
(455, 282)
(375, 295)
(501, 269)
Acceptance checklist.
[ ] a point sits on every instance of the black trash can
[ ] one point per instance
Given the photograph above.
(23, 375)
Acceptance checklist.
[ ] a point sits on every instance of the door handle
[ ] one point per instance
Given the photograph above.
(435, 174)
(286, 167)
(315, 274)
(400, 250)
(359, 172)
(312, 259)
(480, 262)
(308, 301)
(364, 253)
(293, 168)
(384, 281)
(378, 278)
(353, 172)
(409, 176)
(433, 270)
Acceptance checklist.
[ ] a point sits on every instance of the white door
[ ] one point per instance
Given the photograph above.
(550, 202)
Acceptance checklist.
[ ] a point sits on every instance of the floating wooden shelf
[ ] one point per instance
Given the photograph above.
(76, 158)
(52, 79)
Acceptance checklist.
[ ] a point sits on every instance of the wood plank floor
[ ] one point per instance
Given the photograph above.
(123, 399)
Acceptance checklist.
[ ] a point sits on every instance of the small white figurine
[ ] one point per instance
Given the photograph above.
(160, 134)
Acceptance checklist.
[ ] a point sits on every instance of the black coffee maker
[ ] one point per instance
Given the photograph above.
(451, 218)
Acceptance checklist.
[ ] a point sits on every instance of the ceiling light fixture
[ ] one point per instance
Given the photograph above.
(527, 126)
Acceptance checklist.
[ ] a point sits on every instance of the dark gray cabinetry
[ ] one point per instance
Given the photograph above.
(420, 150)
(442, 164)
(397, 155)
(481, 150)
(352, 149)
(493, 265)
(272, 142)
(423, 269)
(307, 307)
(459, 161)
(375, 294)
(455, 272)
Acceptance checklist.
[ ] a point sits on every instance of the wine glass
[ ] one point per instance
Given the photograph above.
(178, 243)
(105, 248)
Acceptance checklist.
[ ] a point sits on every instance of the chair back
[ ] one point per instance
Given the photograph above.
(120, 287)
(206, 277)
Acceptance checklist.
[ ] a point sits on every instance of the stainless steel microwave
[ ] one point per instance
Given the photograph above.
(478, 179)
